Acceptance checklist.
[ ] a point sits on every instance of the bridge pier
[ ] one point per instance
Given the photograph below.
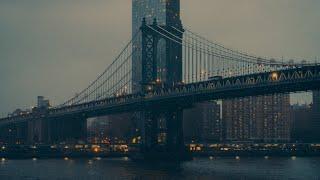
(151, 147)
(149, 131)
(175, 140)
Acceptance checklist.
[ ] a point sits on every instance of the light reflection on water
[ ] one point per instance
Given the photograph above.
(199, 168)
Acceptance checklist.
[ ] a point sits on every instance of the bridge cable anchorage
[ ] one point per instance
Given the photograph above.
(115, 80)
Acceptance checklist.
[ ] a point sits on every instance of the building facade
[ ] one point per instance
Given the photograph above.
(301, 118)
(264, 118)
(202, 123)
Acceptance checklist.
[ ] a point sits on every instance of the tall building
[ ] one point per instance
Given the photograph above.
(315, 123)
(202, 123)
(235, 114)
(264, 118)
(301, 117)
(166, 12)
(42, 102)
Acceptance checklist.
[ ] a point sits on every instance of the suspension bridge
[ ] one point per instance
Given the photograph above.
(194, 70)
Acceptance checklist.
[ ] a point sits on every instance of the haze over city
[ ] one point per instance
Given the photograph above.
(159, 89)
(55, 48)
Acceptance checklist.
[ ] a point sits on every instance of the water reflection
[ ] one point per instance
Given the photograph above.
(200, 168)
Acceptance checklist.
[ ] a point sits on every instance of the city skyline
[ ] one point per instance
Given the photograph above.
(159, 89)
(39, 43)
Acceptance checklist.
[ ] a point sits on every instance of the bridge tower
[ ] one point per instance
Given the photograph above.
(152, 35)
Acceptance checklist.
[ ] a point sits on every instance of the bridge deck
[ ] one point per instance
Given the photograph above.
(283, 81)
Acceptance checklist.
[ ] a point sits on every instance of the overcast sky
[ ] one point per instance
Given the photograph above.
(56, 47)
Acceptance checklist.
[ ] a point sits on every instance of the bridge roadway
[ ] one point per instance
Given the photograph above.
(283, 81)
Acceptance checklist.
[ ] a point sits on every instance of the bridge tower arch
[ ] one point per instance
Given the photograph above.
(152, 36)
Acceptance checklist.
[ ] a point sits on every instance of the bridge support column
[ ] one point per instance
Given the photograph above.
(173, 149)
(149, 131)
(175, 139)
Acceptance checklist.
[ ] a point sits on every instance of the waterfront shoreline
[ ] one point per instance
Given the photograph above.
(17, 156)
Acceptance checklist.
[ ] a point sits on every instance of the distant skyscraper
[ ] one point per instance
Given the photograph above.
(264, 118)
(42, 102)
(166, 12)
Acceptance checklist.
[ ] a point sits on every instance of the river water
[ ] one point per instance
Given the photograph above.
(200, 168)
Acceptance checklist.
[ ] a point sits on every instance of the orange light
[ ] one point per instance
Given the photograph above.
(96, 150)
(274, 76)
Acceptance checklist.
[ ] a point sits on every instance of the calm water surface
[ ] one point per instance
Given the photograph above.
(202, 168)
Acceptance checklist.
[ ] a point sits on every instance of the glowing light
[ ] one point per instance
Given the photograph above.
(211, 158)
(66, 158)
(266, 157)
(274, 76)
(96, 149)
(34, 159)
(237, 158)
(293, 157)
(3, 159)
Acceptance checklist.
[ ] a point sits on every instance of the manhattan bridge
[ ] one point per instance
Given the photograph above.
(197, 70)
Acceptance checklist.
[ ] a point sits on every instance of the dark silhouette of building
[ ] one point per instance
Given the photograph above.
(301, 117)
(202, 123)
(315, 123)
(110, 129)
(263, 118)
(43, 103)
